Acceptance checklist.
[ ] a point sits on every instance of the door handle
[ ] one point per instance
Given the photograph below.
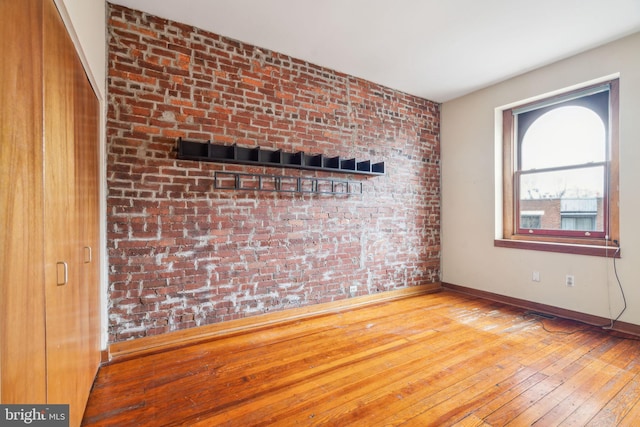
(88, 254)
(62, 273)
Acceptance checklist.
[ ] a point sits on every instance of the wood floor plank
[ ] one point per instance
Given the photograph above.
(395, 397)
(532, 396)
(598, 398)
(433, 353)
(450, 401)
(554, 398)
(507, 391)
(471, 421)
(594, 365)
(453, 404)
(440, 359)
(288, 406)
(489, 402)
(632, 417)
(598, 377)
(241, 380)
(619, 406)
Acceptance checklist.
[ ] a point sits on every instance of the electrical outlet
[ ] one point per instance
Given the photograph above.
(535, 276)
(353, 289)
(570, 280)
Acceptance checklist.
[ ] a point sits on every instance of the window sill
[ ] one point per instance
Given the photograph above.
(565, 248)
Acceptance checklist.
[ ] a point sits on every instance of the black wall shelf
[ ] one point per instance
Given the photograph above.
(208, 152)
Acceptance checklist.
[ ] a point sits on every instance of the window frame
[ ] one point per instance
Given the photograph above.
(608, 244)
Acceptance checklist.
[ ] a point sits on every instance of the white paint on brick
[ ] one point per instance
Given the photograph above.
(230, 245)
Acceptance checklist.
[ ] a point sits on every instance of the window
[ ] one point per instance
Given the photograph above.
(578, 223)
(560, 182)
(531, 219)
(582, 214)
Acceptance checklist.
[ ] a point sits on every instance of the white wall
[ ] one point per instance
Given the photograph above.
(86, 22)
(471, 204)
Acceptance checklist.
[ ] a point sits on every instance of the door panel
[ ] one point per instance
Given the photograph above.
(62, 238)
(71, 220)
(88, 207)
(22, 321)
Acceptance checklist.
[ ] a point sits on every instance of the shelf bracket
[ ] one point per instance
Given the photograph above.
(285, 184)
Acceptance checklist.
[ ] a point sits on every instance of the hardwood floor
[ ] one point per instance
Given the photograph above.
(439, 359)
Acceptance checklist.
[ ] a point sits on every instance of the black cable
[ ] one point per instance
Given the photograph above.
(533, 316)
(624, 298)
(541, 322)
(605, 327)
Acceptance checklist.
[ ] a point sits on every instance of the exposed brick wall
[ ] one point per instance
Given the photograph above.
(182, 254)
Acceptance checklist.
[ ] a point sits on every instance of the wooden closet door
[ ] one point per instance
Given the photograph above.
(49, 213)
(71, 220)
(62, 241)
(87, 133)
(22, 303)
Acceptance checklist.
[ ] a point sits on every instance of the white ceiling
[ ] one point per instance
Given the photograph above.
(435, 49)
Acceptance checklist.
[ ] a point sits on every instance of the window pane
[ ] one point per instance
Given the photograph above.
(586, 223)
(564, 136)
(564, 200)
(529, 221)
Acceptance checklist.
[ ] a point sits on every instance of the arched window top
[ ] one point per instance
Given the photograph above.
(564, 136)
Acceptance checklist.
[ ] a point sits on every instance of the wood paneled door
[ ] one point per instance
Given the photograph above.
(22, 312)
(49, 348)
